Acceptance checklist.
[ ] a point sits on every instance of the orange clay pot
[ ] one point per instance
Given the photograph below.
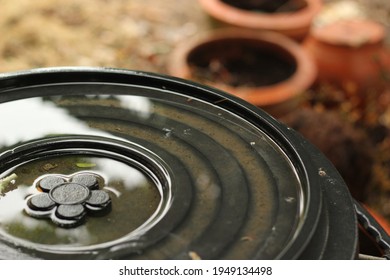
(228, 51)
(295, 24)
(379, 218)
(350, 54)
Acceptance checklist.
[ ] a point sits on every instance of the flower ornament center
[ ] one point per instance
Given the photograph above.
(69, 193)
(67, 199)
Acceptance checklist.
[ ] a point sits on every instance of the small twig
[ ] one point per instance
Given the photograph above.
(4, 182)
(369, 257)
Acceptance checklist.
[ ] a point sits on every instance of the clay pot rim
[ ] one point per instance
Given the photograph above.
(378, 217)
(300, 80)
(364, 33)
(255, 20)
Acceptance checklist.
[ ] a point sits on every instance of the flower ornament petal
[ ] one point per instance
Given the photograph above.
(68, 199)
(99, 203)
(40, 205)
(49, 182)
(69, 215)
(86, 179)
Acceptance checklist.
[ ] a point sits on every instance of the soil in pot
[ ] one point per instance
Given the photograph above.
(239, 64)
(267, 69)
(266, 6)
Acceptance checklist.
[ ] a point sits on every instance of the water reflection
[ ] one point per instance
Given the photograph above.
(130, 189)
(10, 207)
(135, 198)
(27, 119)
(114, 171)
(34, 118)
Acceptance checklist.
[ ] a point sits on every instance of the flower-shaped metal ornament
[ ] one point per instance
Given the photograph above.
(68, 199)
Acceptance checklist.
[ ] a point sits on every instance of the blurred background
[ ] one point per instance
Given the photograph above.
(352, 129)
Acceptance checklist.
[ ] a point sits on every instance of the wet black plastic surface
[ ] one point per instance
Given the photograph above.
(233, 183)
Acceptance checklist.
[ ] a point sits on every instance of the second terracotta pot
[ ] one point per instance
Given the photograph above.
(350, 54)
(266, 69)
(289, 17)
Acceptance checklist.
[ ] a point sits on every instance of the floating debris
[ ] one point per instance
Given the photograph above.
(49, 166)
(194, 256)
(85, 164)
(4, 182)
(247, 239)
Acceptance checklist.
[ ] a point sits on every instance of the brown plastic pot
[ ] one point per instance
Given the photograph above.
(350, 53)
(266, 69)
(293, 22)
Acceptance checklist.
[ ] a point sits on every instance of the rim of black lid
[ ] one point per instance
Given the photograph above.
(326, 226)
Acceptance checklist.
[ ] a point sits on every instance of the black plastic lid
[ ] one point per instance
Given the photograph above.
(189, 172)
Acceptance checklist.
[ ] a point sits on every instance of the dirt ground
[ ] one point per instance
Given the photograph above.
(132, 34)
(140, 35)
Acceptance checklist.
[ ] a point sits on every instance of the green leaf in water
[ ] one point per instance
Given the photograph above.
(85, 164)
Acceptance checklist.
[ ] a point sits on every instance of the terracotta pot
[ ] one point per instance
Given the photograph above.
(266, 69)
(350, 54)
(294, 22)
(379, 218)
